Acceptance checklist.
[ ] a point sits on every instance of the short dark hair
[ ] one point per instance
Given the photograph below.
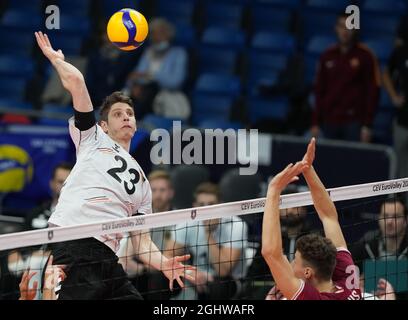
(110, 100)
(394, 199)
(62, 165)
(320, 253)
(207, 187)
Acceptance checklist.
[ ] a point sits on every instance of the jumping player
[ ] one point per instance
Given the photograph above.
(323, 268)
(105, 183)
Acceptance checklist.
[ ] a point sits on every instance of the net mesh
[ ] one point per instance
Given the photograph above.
(223, 242)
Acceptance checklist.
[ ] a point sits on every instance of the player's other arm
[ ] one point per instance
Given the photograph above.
(324, 205)
(71, 78)
(271, 233)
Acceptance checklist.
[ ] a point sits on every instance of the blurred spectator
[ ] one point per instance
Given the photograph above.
(217, 247)
(396, 84)
(346, 88)
(390, 241)
(107, 68)
(294, 225)
(38, 217)
(161, 67)
(151, 283)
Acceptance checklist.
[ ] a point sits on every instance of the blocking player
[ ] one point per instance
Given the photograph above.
(323, 268)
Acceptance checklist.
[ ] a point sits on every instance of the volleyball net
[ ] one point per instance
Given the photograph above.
(224, 244)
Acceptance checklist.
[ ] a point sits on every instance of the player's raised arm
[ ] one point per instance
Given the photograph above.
(272, 236)
(71, 78)
(321, 199)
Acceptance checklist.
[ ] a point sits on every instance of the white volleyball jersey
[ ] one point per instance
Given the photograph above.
(105, 183)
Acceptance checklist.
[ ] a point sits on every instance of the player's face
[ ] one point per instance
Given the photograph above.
(159, 34)
(344, 35)
(299, 268)
(58, 180)
(162, 194)
(121, 124)
(205, 199)
(392, 220)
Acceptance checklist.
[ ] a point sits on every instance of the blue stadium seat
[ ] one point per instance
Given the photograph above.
(21, 20)
(292, 4)
(317, 23)
(395, 7)
(33, 6)
(378, 25)
(310, 62)
(381, 47)
(261, 109)
(12, 88)
(259, 77)
(328, 5)
(69, 44)
(16, 42)
(158, 122)
(223, 38)
(241, 2)
(271, 19)
(223, 14)
(215, 60)
(56, 108)
(219, 124)
(264, 69)
(176, 11)
(75, 7)
(15, 104)
(274, 42)
(185, 35)
(211, 107)
(75, 25)
(44, 121)
(16, 66)
(267, 61)
(109, 7)
(218, 84)
(318, 44)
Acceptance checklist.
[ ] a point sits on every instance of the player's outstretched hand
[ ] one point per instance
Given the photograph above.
(385, 290)
(173, 269)
(286, 176)
(46, 47)
(310, 153)
(27, 293)
(275, 294)
(54, 275)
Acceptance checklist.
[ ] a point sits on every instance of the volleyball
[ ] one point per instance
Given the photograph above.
(127, 29)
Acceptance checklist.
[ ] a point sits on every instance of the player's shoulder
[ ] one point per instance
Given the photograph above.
(343, 252)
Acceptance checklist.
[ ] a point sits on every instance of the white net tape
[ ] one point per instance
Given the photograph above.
(57, 234)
